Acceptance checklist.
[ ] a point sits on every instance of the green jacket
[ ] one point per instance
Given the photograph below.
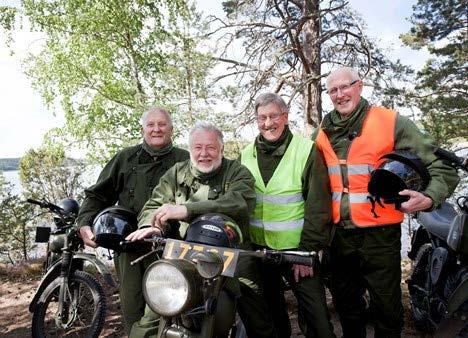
(316, 231)
(128, 180)
(408, 137)
(228, 190)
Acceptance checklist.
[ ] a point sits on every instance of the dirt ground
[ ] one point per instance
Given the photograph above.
(17, 287)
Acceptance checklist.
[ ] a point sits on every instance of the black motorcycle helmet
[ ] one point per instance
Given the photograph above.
(70, 208)
(112, 225)
(214, 229)
(397, 171)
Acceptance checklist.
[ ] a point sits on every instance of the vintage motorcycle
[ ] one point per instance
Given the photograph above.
(192, 285)
(69, 301)
(438, 284)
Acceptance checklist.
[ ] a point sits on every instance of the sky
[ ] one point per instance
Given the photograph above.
(24, 118)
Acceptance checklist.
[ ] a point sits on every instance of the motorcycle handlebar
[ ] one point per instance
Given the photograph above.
(308, 258)
(308, 261)
(47, 205)
(30, 200)
(124, 245)
(452, 157)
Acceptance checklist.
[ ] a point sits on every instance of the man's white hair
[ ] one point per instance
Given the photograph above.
(266, 98)
(206, 126)
(151, 110)
(344, 70)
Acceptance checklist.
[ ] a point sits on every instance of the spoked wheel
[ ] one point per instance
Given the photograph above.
(83, 311)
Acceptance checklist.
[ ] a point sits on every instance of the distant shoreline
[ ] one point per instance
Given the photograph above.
(9, 164)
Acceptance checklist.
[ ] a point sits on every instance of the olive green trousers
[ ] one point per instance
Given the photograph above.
(139, 321)
(263, 308)
(367, 259)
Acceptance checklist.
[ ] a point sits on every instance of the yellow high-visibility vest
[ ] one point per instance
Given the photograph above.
(279, 213)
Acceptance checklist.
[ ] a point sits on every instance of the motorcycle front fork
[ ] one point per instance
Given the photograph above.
(64, 317)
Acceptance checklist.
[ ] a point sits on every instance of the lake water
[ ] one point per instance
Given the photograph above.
(13, 177)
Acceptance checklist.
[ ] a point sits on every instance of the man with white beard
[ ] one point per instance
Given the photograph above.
(207, 183)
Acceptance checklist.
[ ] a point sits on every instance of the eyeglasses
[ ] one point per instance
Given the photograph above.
(334, 91)
(273, 117)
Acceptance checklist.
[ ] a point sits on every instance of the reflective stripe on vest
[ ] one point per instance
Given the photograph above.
(376, 139)
(276, 199)
(278, 217)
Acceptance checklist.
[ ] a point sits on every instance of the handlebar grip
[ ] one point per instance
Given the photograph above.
(301, 260)
(125, 243)
(47, 205)
(449, 156)
(30, 200)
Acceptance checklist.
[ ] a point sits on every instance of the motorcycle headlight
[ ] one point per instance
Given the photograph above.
(171, 286)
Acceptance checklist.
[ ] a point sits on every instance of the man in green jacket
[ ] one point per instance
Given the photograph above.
(128, 180)
(365, 252)
(292, 212)
(207, 183)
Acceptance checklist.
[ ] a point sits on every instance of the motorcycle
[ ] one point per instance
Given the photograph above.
(68, 301)
(438, 284)
(192, 284)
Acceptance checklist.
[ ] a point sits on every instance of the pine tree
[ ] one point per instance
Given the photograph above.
(441, 91)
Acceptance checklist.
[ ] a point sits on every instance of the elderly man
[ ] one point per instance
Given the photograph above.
(291, 212)
(207, 183)
(366, 249)
(128, 180)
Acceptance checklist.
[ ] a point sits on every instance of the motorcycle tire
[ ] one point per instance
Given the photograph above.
(464, 331)
(419, 280)
(86, 313)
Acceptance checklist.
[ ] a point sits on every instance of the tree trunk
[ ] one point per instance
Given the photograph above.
(311, 71)
(25, 242)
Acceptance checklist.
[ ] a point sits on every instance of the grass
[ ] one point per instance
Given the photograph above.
(22, 271)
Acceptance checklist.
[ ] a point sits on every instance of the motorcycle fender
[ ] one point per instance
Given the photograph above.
(419, 238)
(459, 296)
(54, 272)
(102, 268)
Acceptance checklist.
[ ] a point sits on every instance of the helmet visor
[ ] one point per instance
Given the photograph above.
(411, 179)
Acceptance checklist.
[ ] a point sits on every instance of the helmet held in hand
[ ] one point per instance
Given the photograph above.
(112, 225)
(396, 172)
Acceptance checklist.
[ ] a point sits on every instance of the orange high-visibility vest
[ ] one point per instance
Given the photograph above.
(376, 139)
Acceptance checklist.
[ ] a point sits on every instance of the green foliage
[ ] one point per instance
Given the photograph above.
(233, 148)
(8, 16)
(47, 174)
(15, 229)
(104, 62)
(441, 91)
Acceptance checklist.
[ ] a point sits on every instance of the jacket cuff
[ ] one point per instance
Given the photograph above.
(433, 206)
(191, 210)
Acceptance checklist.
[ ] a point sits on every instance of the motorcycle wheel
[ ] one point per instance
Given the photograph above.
(419, 287)
(464, 331)
(86, 304)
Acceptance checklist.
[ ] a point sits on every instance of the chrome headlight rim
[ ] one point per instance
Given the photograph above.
(191, 280)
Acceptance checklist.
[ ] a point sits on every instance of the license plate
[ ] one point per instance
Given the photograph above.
(175, 249)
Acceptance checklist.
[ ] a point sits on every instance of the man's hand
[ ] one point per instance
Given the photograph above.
(301, 271)
(168, 212)
(143, 233)
(417, 201)
(87, 235)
